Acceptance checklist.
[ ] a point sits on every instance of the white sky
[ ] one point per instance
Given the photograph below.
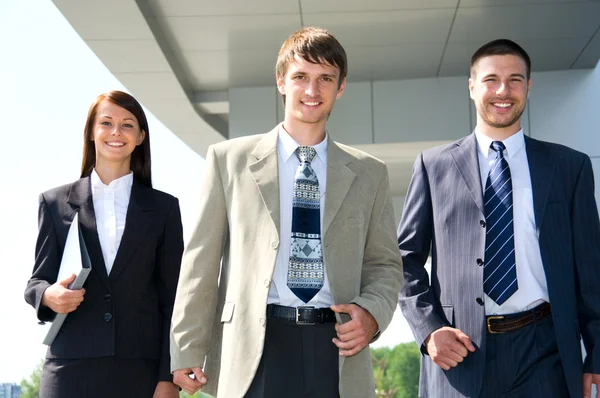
(48, 79)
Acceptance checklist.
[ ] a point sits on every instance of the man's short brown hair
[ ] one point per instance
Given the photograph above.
(314, 45)
(501, 47)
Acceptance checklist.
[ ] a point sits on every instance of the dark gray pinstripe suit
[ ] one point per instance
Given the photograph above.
(443, 213)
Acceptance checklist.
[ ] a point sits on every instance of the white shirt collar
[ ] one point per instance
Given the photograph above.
(287, 145)
(512, 143)
(122, 183)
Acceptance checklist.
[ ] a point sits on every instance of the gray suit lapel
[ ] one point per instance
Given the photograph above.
(80, 198)
(339, 180)
(265, 172)
(541, 170)
(465, 158)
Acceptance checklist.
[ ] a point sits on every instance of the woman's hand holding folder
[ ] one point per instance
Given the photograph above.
(60, 299)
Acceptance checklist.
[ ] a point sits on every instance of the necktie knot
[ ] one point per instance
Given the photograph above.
(499, 147)
(305, 153)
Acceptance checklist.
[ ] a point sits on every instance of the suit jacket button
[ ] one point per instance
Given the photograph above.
(267, 283)
(480, 301)
(262, 321)
(107, 317)
(479, 262)
(107, 298)
(274, 244)
(482, 223)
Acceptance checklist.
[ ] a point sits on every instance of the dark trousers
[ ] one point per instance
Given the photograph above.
(524, 364)
(99, 378)
(298, 361)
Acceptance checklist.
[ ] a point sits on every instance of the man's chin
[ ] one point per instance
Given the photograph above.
(503, 123)
(312, 120)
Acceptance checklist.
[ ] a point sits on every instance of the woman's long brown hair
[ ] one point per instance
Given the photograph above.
(140, 158)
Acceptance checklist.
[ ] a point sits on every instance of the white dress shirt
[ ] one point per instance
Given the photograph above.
(110, 209)
(531, 278)
(279, 292)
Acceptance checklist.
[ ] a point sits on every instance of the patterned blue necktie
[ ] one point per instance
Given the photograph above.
(500, 272)
(305, 271)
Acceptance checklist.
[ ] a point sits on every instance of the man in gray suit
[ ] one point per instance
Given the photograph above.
(512, 226)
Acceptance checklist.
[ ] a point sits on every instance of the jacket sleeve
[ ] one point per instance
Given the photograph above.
(382, 266)
(169, 255)
(47, 262)
(196, 299)
(586, 244)
(415, 234)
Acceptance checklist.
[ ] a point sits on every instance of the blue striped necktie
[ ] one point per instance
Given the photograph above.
(305, 270)
(500, 272)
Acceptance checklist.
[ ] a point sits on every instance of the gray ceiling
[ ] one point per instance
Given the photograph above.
(179, 57)
(233, 43)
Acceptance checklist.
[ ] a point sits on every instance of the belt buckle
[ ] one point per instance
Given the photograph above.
(490, 318)
(303, 307)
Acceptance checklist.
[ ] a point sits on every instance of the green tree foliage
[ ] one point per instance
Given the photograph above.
(30, 387)
(396, 371)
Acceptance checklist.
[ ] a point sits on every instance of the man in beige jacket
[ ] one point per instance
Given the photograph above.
(293, 267)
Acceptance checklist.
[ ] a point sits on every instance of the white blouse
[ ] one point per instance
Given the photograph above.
(110, 208)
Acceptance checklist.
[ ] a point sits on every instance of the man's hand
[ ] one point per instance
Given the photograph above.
(165, 389)
(448, 347)
(588, 379)
(356, 334)
(60, 299)
(190, 379)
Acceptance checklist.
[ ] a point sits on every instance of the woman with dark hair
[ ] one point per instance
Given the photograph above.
(115, 341)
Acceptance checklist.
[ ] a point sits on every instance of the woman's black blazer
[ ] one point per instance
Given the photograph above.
(126, 314)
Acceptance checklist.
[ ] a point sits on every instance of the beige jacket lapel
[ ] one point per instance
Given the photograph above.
(339, 180)
(266, 174)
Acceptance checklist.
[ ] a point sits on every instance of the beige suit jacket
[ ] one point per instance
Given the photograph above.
(220, 308)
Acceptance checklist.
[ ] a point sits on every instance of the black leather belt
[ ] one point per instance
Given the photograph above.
(507, 323)
(305, 315)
